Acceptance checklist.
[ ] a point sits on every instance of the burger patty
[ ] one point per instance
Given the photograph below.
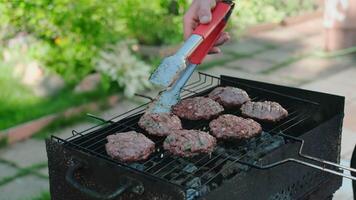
(160, 124)
(197, 108)
(187, 143)
(229, 97)
(129, 146)
(233, 127)
(266, 111)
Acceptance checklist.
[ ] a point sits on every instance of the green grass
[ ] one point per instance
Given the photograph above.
(42, 196)
(234, 56)
(285, 63)
(215, 63)
(19, 104)
(3, 142)
(61, 122)
(24, 172)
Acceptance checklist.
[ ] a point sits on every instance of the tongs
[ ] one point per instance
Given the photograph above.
(174, 71)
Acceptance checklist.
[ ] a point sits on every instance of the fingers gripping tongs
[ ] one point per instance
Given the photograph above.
(174, 71)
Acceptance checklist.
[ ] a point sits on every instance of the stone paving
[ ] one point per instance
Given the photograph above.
(287, 56)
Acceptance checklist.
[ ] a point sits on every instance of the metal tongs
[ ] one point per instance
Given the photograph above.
(174, 71)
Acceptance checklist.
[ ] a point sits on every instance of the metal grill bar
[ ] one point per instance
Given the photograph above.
(165, 166)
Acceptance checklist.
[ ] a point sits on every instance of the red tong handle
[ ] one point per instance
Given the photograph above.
(211, 32)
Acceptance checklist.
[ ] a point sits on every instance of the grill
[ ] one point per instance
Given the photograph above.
(286, 162)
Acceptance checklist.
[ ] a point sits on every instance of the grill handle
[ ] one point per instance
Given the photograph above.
(322, 164)
(128, 184)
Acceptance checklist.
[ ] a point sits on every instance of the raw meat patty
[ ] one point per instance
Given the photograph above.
(266, 111)
(197, 108)
(188, 143)
(229, 97)
(233, 127)
(160, 124)
(129, 146)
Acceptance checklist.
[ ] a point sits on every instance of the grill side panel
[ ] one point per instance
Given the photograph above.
(100, 176)
(291, 180)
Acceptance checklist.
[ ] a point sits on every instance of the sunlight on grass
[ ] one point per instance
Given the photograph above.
(19, 104)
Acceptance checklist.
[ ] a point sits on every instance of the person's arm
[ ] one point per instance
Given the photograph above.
(200, 12)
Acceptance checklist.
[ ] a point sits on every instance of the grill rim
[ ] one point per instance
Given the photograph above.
(68, 143)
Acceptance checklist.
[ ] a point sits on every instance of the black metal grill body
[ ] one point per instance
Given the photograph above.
(80, 169)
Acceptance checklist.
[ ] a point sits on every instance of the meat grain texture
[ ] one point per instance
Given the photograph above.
(268, 111)
(229, 97)
(129, 146)
(197, 108)
(188, 143)
(160, 124)
(234, 127)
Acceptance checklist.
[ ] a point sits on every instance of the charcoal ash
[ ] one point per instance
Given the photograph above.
(195, 183)
(195, 189)
(190, 168)
(192, 194)
(231, 168)
(138, 166)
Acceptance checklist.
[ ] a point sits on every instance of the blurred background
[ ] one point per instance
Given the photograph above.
(61, 59)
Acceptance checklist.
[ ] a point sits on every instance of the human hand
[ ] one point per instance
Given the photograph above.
(200, 13)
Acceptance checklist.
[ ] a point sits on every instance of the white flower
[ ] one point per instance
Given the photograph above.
(118, 63)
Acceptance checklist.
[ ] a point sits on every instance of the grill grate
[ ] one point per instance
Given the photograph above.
(203, 173)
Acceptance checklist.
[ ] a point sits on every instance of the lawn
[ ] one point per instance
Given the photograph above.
(19, 104)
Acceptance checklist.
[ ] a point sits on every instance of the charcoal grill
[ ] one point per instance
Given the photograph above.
(288, 160)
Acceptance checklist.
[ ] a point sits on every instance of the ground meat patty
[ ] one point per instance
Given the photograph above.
(233, 127)
(160, 124)
(197, 108)
(129, 146)
(229, 97)
(266, 111)
(188, 143)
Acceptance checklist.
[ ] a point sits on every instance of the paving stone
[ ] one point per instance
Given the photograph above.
(350, 116)
(216, 58)
(348, 142)
(275, 55)
(217, 71)
(43, 171)
(345, 192)
(252, 65)
(121, 107)
(23, 188)
(314, 42)
(308, 28)
(312, 68)
(6, 171)
(279, 35)
(66, 132)
(293, 32)
(25, 153)
(245, 47)
(342, 83)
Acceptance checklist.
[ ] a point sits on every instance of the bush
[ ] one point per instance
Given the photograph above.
(253, 12)
(154, 22)
(71, 34)
(118, 64)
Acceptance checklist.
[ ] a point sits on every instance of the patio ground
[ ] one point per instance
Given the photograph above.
(288, 56)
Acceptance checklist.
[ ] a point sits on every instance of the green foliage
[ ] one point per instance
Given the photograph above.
(19, 104)
(43, 196)
(154, 22)
(256, 11)
(71, 33)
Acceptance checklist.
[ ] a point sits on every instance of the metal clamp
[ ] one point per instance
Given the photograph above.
(128, 184)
